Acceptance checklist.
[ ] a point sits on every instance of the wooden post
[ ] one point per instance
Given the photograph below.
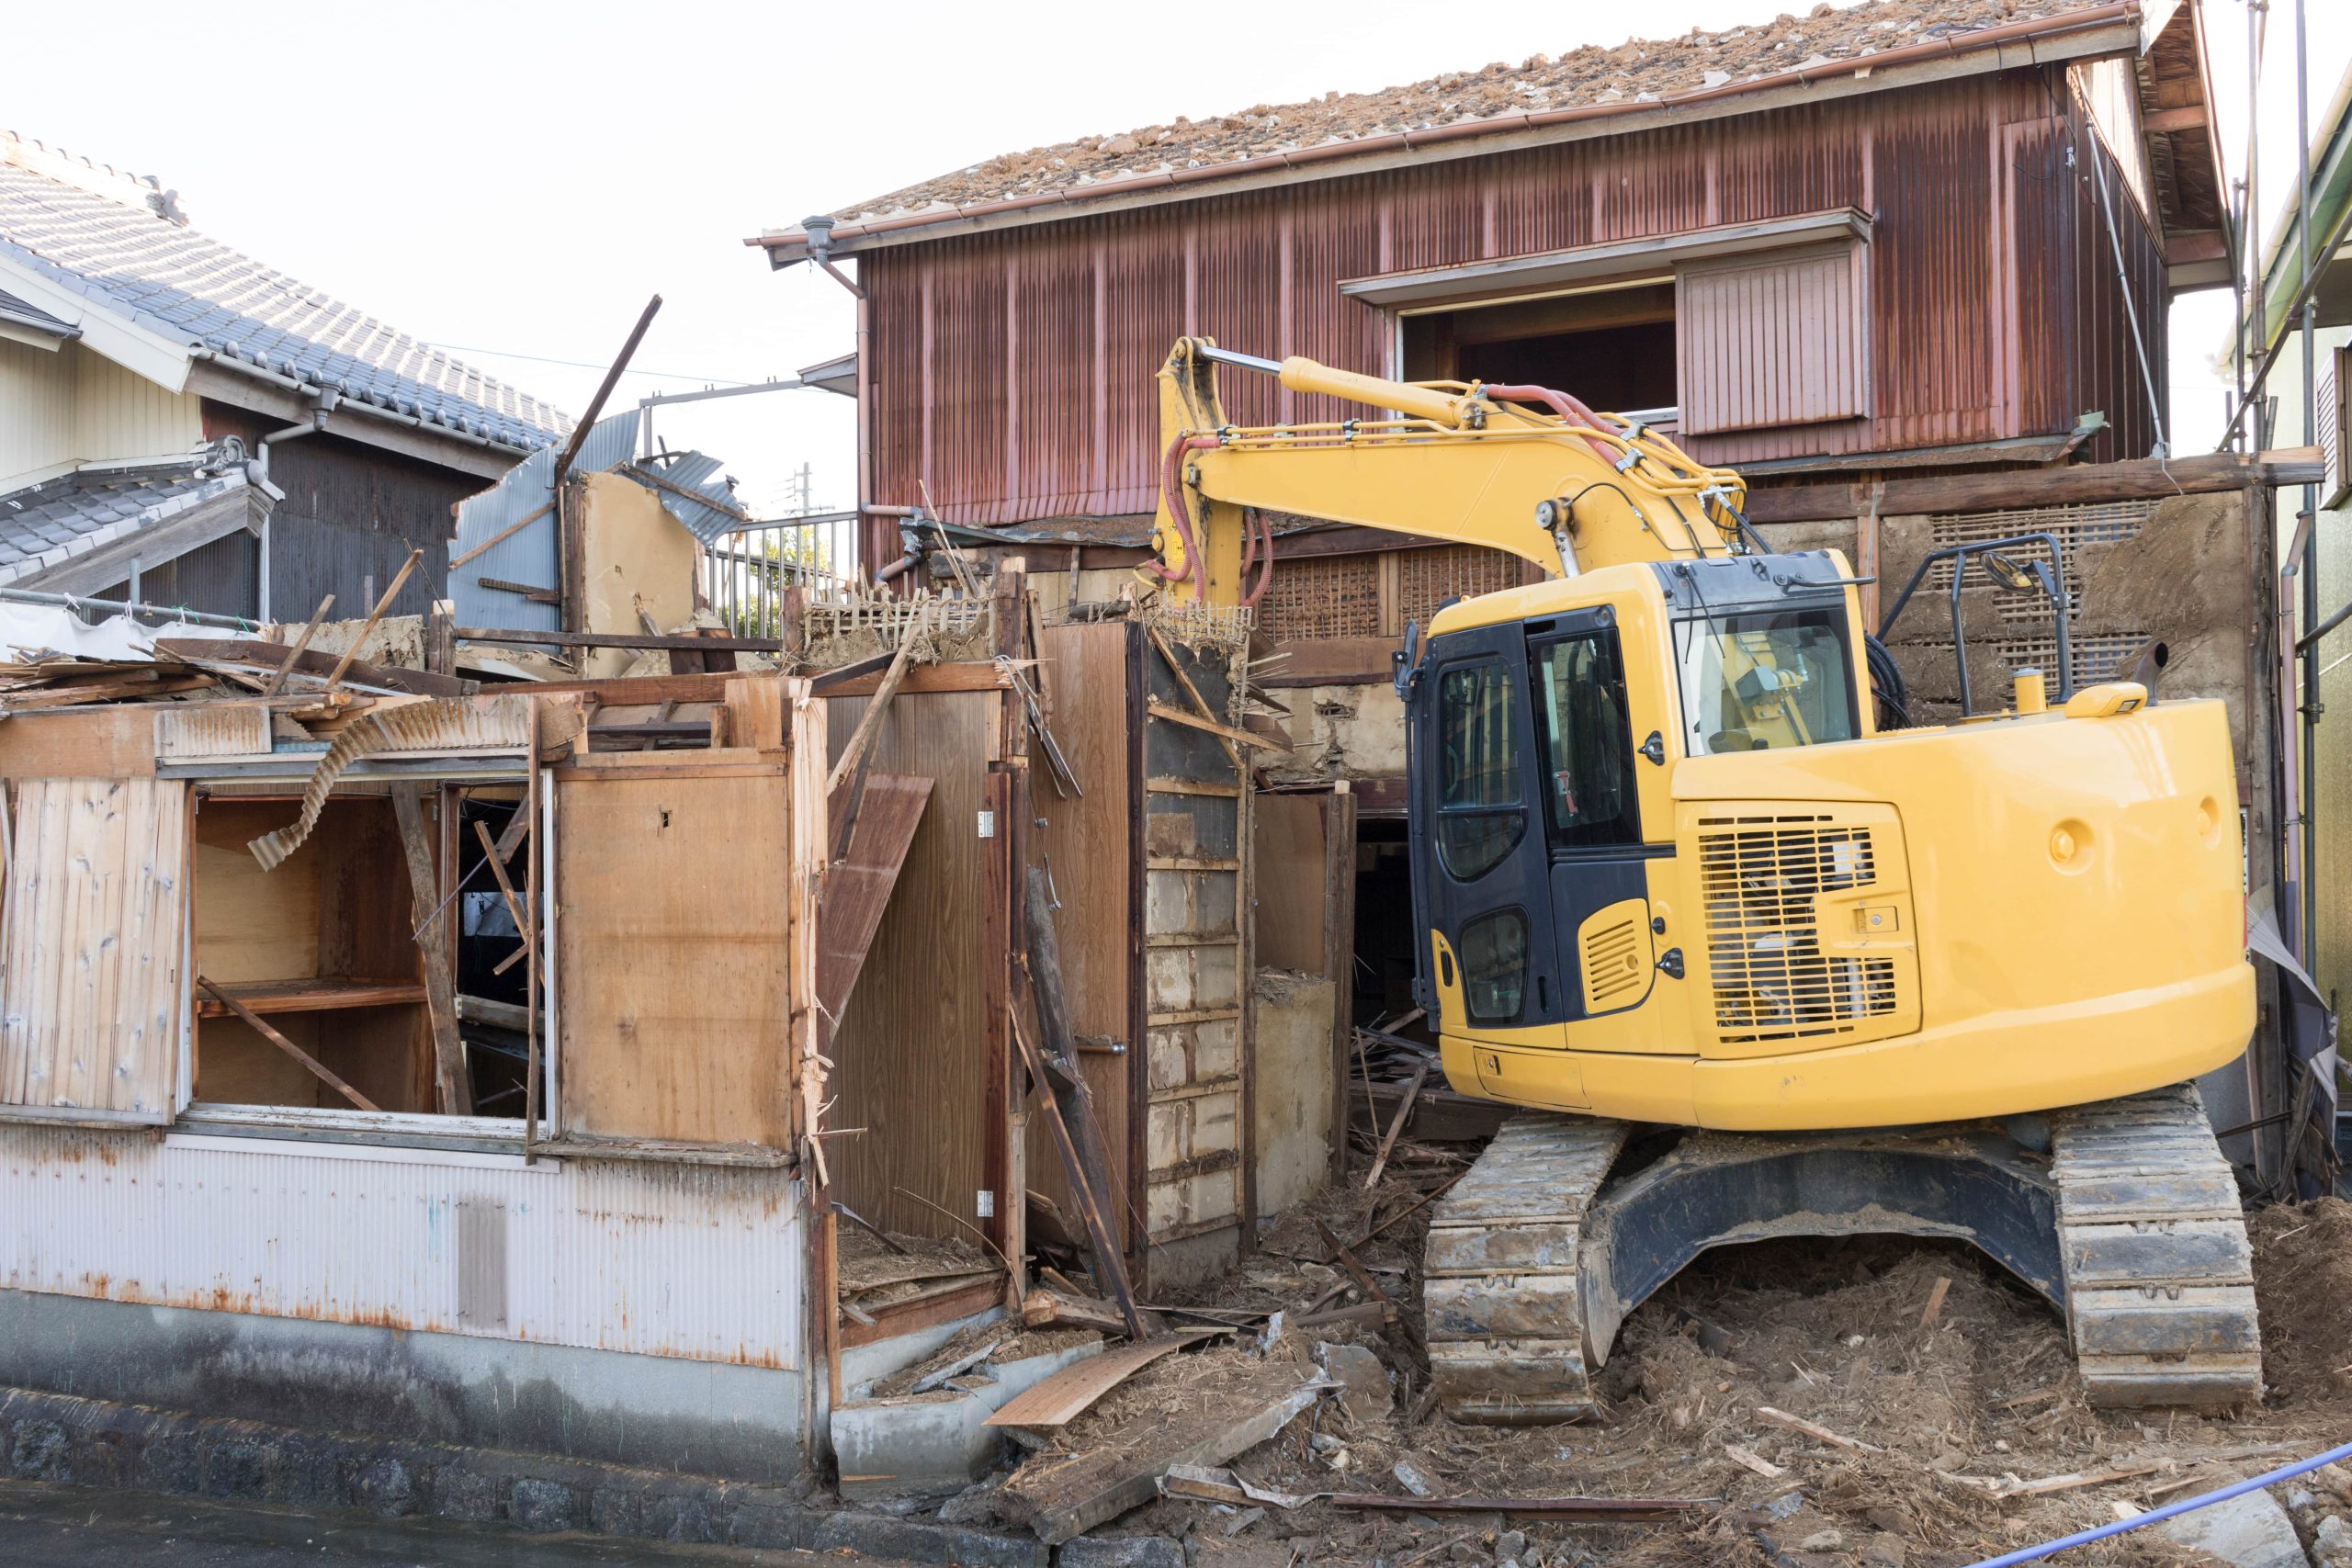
(1070, 1101)
(310, 630)
(334, 678)
(433, 940)
(1339, 922)
(441, 638)
(531, 1056)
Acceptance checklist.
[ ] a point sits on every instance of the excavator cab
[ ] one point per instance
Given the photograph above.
(1547, 725)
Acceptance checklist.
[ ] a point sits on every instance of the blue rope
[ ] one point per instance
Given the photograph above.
(2169, 1511)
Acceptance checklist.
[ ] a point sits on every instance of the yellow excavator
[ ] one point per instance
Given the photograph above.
(1751, 965)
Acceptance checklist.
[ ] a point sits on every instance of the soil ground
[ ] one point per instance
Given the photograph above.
(1832, 1332)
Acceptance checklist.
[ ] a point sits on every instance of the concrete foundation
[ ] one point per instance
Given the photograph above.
(660, 1413)
(935, 1443)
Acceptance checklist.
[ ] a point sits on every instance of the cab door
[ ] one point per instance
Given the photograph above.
(1482, 864)
(1588, 731)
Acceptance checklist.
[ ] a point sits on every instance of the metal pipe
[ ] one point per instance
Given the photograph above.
(125, 608)
(2310, 705)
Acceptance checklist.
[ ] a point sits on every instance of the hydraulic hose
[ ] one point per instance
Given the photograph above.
(1572, 410)
(1171, 496)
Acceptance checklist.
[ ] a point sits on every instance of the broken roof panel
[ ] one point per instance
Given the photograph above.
(126, 246)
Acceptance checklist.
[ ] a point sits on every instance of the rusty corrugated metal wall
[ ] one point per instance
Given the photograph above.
(1011, 371)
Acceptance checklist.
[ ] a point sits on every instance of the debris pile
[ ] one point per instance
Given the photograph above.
(1635, 71)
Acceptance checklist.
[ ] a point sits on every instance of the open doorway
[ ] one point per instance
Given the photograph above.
(1612, 346)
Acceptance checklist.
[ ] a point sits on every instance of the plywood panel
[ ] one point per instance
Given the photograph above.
(1294, 904)
(910, 1049)
(91, 996)
(235, 1065)
(1088, 843)
(673, 953)
(253, 924)
(115, 742)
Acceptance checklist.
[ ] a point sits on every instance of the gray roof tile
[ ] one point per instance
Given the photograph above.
(69, 513)
(174, 279)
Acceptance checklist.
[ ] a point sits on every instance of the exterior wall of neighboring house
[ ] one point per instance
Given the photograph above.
(2331, 805)
(1012, 370)
(65, 406)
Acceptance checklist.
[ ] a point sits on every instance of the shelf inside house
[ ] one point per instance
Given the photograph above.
(324, 993)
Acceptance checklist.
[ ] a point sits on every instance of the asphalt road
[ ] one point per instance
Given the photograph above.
(42, 1526)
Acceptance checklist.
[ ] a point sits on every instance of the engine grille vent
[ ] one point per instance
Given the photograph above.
(1760, 876)
(1614, 970)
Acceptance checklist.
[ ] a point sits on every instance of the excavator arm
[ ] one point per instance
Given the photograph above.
(1469, 463)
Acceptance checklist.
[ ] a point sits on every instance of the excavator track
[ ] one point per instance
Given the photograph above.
(2131, 1229)
(1501, 1288)
(2159, 1275)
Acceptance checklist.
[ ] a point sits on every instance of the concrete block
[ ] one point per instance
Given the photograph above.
(384, 1488)
(2251, 1531)
(1120, 1551)
(2332, 1543)
(915, 1541)
(938, 1443)
(1365, 1393)
(770, 1521)
(38, 1451)
(468, 1496)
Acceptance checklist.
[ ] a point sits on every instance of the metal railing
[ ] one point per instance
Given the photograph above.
(744, 573)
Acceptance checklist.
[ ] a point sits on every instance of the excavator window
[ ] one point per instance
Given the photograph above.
(1757, 681)
(1590, 793)
(1480, 815)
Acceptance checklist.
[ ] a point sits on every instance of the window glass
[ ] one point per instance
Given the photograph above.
(1479, 818)
(1494, 966)
(1588, 792)
(1777, 679)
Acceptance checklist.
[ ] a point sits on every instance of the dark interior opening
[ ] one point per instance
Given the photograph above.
(1614, 348)
(1385, 936)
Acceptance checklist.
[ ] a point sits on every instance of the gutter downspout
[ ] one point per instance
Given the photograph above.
(2309, 565)
(323, 401)
(871, 544)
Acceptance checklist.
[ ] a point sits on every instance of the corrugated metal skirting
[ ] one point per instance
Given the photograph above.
(699, 1262)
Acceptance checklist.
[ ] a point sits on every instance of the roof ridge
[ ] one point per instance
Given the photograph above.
(144, 192)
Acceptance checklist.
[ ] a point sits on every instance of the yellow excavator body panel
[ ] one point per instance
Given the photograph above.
(2051, 916)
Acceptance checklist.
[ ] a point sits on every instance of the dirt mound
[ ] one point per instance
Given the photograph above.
(2303, 1289)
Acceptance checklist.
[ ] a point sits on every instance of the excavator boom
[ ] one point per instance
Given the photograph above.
(1559, 485)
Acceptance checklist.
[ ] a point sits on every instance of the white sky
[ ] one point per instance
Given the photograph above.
(512, 179)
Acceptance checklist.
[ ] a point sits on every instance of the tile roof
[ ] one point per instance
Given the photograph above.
(44, 523)
(125, 246)
(1635, 70)
(17, 312)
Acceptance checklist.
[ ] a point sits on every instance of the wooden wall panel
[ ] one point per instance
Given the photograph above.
(1088, 844)
(1293, 909)
(1773, 340)
(92, 1002)
(910, 1055)
(672, 951)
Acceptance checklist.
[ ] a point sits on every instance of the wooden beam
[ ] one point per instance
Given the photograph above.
(277, 656)
(455, 1092)
(870, 722)
(550, 638)
(260, 1026)
(515, 910)
(536, 595)
(2189, 116)
(1174, 714)
(1329, 661)
(399, 578)
(2136, 478)
(2187, 246)
(310, 630)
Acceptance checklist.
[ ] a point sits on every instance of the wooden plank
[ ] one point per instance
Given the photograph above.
(1339, 895)
(870, 720)
(301, 643)
(920, 1313)
(277, 656)
(1064, 1496)
(328, 993)
(1404, 1114)
(1294, 893)
(549, 637)
(453, 1089)
(857, 889)
(673, 955)
(2134, 479)
(254, 1021)
(504, 533)
(1329, 661)
(1063, 1397)
(1223, 731)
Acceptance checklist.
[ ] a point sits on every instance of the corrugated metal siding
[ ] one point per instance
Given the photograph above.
(1973, 331)
(222, 578)
(698, 1262)
(1773, 341)
(36, 409)
(530, 555)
